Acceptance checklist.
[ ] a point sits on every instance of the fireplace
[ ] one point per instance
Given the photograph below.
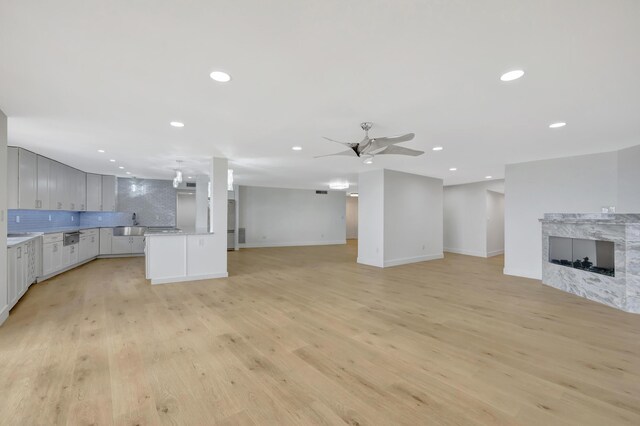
(597, 256)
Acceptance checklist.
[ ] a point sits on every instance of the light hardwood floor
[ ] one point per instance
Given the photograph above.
(307, 336)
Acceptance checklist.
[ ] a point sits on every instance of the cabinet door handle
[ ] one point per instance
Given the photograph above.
(19, 252)
(55, 248)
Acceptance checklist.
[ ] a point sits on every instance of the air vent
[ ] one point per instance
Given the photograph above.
(191, 184)
(322, 192)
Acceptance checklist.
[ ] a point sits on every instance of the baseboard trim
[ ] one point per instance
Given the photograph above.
(465, 252)
(4, 315)
(293, 244)
(369, 262)
(495, 253)
(193, 278)
(415, 259)
(521, 273)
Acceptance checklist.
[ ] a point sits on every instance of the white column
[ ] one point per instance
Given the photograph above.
(236, 196)
(4, 307)
(371, 218)
(202, 202)
(399, 218)
(218, 212)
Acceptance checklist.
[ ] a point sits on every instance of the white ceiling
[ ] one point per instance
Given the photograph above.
(77, 76)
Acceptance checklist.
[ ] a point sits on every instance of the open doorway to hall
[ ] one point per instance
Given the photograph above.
(352, 218)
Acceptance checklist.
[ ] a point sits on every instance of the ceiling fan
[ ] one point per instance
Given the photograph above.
(370, 147)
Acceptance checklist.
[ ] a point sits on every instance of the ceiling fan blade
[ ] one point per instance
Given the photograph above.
(379, 143)
(399, 150)
(349, 153)
(341, 143)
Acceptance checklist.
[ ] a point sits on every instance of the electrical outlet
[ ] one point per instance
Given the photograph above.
(18, 219)
(72, 218)
(49, 218)
(99, 218)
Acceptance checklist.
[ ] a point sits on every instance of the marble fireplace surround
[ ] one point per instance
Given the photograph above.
(621, 291)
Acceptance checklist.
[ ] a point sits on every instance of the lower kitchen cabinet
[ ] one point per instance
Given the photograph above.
(22, 269)
(127, 245)
(89, 244)
(52, 254)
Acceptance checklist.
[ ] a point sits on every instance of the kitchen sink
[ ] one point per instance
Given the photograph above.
(129, 231)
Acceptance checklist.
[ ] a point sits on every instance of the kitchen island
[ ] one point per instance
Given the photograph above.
(182, 255)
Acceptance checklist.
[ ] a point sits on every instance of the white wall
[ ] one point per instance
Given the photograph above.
(412, 218)
(352, 218)
(495, 223)
(566, 185)
(218, 216)
(629, 180)
(186, 210)
(465, 218)
(371, 218)
(291, 217)
(4, 311)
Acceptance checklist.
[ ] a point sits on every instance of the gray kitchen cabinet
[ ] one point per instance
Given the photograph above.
(121, 245)
(52, 253)
(94, 192)
(109, 193)
(89, 244)
(37, 182)
(12, 177)
(56, 186)
(22, 262)
(127, 245)
(81, 190)
(106, 237)
(27, 179)
(42, 190)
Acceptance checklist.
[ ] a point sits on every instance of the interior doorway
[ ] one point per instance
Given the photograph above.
(352, 218)
(495, 223)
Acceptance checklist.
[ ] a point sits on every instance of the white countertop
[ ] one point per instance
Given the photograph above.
(174, 232)
(14, 241)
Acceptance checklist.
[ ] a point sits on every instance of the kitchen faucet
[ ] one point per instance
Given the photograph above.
(135, 220)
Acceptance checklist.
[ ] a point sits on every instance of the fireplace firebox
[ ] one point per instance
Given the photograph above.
(595, 256)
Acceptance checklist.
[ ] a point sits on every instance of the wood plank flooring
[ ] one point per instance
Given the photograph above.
(306, 336)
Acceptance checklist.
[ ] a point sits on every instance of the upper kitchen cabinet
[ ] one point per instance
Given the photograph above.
(12, 178)
(27, 179)
(109, 192)
(57, 183)
(37, 182)
(42, 190)
(94, 192)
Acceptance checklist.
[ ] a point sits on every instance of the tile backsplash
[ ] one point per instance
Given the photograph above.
(106, 219)
(35, 220)
(41, 220)
(154, 201)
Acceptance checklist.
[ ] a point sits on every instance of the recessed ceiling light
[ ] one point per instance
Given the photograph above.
(189, 177)
(368, 160)
(437, 148)
(488, 177)
(557, 125)
(101, 151)
(512, 75)
(128, 173)
(353, 194)
(176, 124)
(220, 76)
(121, 167)
(453, 169)
(296, 148)
(112, 160)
